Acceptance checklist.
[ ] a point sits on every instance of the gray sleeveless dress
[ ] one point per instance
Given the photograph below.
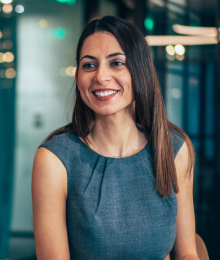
(113, 210)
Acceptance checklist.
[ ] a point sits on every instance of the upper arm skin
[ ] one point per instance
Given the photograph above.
(185, 243)
(49, 192)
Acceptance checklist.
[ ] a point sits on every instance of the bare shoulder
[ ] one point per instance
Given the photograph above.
(48, 170)
(181, 163)
(185, 246)
(49, 192)
(45, 157)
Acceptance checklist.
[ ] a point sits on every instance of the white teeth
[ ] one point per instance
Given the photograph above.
(105, 94)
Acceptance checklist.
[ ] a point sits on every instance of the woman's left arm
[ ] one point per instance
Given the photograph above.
(185, 243)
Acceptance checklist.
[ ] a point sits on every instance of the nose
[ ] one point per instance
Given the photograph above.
(102, 74)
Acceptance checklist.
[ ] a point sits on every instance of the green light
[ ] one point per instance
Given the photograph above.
(149, 23)
(59, 33)
(68, 2)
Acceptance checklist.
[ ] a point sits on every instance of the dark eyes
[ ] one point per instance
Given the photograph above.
(92, 66)
(88, 66)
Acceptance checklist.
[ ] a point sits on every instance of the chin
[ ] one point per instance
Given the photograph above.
(105, 112)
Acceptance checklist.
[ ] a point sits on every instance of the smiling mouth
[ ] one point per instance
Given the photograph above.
(104, 93)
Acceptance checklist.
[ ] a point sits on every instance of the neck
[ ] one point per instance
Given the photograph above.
(116, 136)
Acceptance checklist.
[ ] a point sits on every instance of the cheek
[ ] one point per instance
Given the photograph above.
(83, 84)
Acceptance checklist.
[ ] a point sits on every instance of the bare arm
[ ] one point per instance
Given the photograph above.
(185, 243)
(49, 192)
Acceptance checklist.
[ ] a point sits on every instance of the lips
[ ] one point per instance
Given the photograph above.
(104, 94)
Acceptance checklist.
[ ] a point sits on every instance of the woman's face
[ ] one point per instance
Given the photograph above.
(103, 78)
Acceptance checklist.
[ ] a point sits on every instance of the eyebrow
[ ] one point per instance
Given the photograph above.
(109, 56)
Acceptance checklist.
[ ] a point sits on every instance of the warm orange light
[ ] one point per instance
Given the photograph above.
(70, 71)
(0, 34)
(170, 50)
(2, 57)
(191, 30)
(179, 57)
(10, 73)
(43, 23)
(7, 8)
(8, 57)
(184, 40)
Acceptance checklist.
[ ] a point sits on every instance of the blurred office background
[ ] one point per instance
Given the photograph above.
(37, 58)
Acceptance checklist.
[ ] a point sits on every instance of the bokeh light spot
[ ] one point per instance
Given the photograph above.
(149, 23)
(170, 50)
(179, 48)
(7, 8)
(19, 9)
(6, 1)
(43, 23)
(10, 73)
(59, 33)
(8, 57)
(2, 57)
(68, 2)
(70, 71)
(180, 57)
(176, 93)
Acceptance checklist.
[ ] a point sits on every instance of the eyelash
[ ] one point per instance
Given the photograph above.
(113, 63)
(87, 65)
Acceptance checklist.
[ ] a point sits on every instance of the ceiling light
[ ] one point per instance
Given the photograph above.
(184, 40)
(191, 30)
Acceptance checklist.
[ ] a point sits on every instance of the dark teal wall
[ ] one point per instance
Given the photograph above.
(7, 135)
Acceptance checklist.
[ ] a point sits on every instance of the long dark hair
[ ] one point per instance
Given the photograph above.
(149, 109)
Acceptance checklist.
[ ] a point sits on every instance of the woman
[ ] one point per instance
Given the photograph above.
(106, 186)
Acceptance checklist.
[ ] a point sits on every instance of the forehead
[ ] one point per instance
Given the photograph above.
(100, 43)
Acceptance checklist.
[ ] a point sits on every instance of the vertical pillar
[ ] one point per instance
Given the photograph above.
(186, 76)
(7, 127)
(91, 10)
(140, 14)
(217, 127)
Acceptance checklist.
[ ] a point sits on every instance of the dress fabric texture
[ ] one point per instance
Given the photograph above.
(113, 210)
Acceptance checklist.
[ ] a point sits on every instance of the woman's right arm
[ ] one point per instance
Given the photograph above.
(49, 193)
